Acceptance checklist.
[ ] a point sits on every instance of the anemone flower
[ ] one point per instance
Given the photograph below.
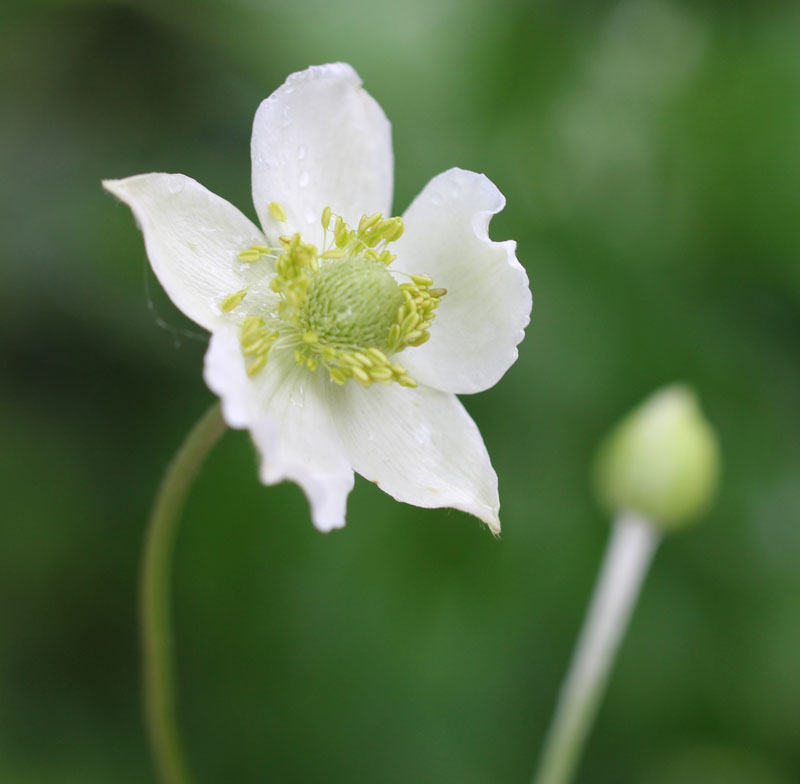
(340, 335)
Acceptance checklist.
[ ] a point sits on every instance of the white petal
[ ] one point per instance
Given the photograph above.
(320, 141)
(286, 410)
(420, 446)
(488, 303)
(192, 238)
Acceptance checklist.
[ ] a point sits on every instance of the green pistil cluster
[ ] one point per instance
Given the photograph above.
(340, 309)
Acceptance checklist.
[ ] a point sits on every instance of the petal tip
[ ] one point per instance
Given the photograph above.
(114, 187)
(337, 70)
(326, 525)
(299, 161)
(342, 71)
(492, 520)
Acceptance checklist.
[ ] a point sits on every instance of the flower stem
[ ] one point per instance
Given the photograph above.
(630, 550)
(154, 608)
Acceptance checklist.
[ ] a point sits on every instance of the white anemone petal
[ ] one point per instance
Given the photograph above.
(286, 409)
(483, 316)
(192, 238)
(420, 446)
(319, 141)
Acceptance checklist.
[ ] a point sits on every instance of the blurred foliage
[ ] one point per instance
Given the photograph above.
(649, 153)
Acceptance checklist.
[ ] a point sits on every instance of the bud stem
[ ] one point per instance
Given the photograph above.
(628, 555)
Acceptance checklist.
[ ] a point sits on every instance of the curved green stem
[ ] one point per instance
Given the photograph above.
(627, 560)
(154, 608)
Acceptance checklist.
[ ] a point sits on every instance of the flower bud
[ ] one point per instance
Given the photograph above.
(661, 461)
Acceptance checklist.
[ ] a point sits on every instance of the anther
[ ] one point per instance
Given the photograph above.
(232, 300)
(257, 346)
(361, 375)
(367, 222)
(422, 339)
(277, 212)
(338, 376)
(256, 365)
(396, 231)
(251, 338)
(409, 322)
(251, 323)
(381, 374)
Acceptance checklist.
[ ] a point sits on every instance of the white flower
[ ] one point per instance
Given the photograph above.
(309, 315)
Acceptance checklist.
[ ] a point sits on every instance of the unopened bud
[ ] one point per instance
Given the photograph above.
(661, 461)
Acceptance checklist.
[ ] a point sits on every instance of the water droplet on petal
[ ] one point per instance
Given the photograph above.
(304, 179)
(422, 434)
(301, 153)
(175, 184)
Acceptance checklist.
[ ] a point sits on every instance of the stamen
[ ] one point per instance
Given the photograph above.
(277, 212)
(368, 222)
(251, 324)
(257, 365)
(232, 300)
(361, 375)
(423, 338)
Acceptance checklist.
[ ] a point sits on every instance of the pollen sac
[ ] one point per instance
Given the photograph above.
(256, 340)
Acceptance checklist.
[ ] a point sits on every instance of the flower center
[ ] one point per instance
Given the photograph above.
(341, 308)
(351, 303)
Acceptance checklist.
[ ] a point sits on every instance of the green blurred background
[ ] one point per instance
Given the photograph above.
(649, 152)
